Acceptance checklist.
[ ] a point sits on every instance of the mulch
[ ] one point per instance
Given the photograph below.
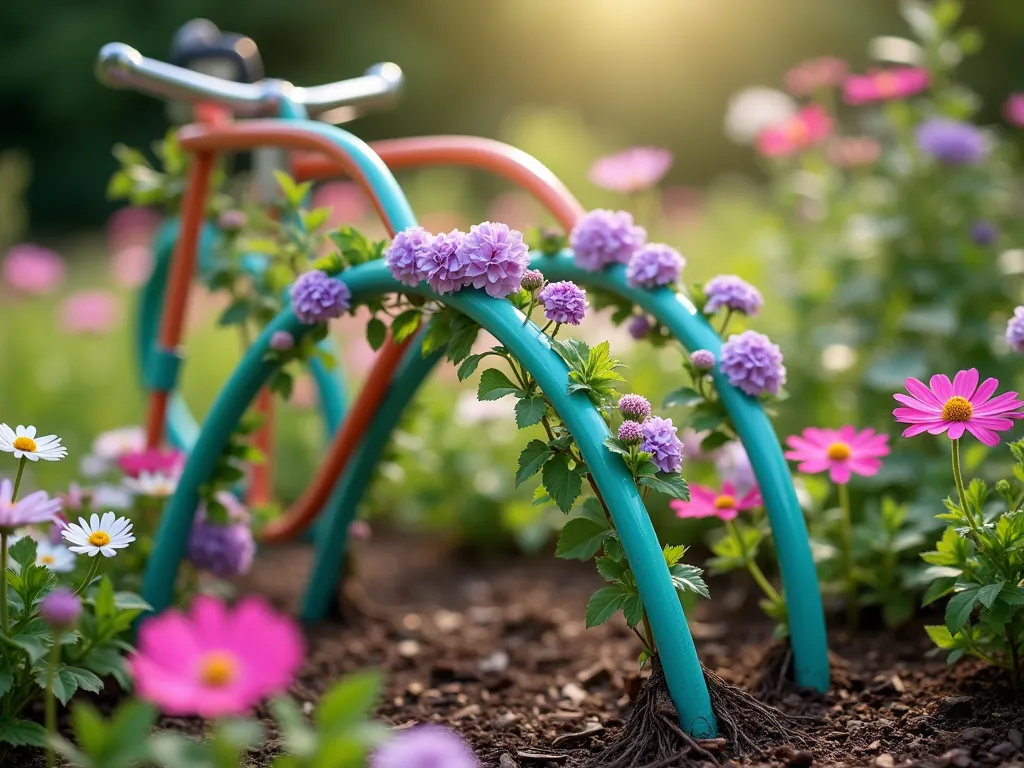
(497, 649)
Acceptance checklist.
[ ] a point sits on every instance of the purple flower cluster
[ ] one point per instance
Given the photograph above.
(317, 297)
(662, 442)
(490, 256)
(425, 746)
(638, 326)
(952, 142)
(634, 407)
(751, 362)
(1015, 330)
(654, 265)
(281, 341)
(602, 238)
(631, 432)
(984, 232)
(733, 293)
(564, 302)
(703, 360)
(222, 549)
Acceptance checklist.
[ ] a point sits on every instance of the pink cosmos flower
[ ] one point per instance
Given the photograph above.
(215, 661)
(346, 200)
(33, 269)
(958, 407)
(131, 226)
(88, 312)
(815, 75)
(1013, 109)
(707, 502)
(843, 452)
(153, 461)
(632, 170)
(854, 151)
(114, 443)
(132, 266)
(804, 129)
(885, 84)
(34, 509)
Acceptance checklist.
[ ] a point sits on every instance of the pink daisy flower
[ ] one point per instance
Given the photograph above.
(33, 270)
(958, 407)
(815, 75)
(1013, 109)
(88, 312)
(843, 452)
(215, 661)
(707, 502)
(885, 84)
(632, 170)
(152, 460)
(804, 129)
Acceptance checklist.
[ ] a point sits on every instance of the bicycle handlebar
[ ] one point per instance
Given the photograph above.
(121, 66)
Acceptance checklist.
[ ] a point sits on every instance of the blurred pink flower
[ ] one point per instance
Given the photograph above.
(632, 170)
(807, 127)
(842, 452)
(854, 151)
(815, 75)
(682, 205)
(360, 530)
(32, 269)
(346, 200)
(115, 443)
(884, 84)
(167, 462)
(707, 502)
(304, 394)
(130, 227)
(132, 265)
(1013, 109)
(88, 312)
(516, 209)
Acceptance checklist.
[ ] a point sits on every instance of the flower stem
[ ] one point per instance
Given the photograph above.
(725, 323)
(93, 567)
(51, 699)
(755, 570)
(17, 478)
(3, 582)
(958, 478)
(651, 648)
(847, 544)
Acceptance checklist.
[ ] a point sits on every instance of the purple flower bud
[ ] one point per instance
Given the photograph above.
(232, 221)
(1015, 330)
(281, 341)
(564, 302)
(317, 297)
(634, 407)
(654, 265)
(61, 609)
(703, 360)
(638, 326)
(631, 432)
(984, 232)
(533, 279)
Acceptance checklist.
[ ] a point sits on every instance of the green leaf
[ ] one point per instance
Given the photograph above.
(958, 609)
(988, 594)
(376, 331)
(615, 445)
(533, 456)
(610, 568)
(1012, 595)
(714, 441)
(439, 330)
(494, 385)
(22, 733)
(84, 679)
(350, 700)
(580, 539)
(6, 676)
(633, 609)
(562, 483)
(23, 551)
(464, 333)
(603, 604)
(468, 366)
(35, 642)
(236, 313)
(103, 603)
(938, 589)
(673, 553)
(64, 683)
(672, 484)
(313, 220)
(687, 578)
(940, 636)
(405, 325)
(684, 396)
(530, 411)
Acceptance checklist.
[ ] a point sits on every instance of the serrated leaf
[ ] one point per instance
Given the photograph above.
(938, 589)
(23, 551)
(610, 568)
(673, 553)
(494, 385)
(615, 445)
(84, 679)
(405, 325)
(468, 366)
(633, 609)
(22, 733)
(562, 483)
(687, 578)
(684, 396)
(464, 333)
(376, 332)
(603, 604)
(959, 608)
(64, 683)
(532, 457)
(941, 636)
(673, 485)
(580, 539)
(987, 594)
(530, 411)
(439, 330)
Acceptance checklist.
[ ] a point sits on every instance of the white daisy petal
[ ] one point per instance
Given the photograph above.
(108, 551)
(94, 524)
(107, 521)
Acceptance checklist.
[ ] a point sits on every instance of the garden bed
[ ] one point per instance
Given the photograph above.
(497, 650)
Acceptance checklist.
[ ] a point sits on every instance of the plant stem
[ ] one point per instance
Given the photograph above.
(3, 582)
(650, 635)
(755, 570)
(93, 567)
(51, 699)
(958, 478)
(1014, 656)
(847, 544)
(17, 479)
(725, 323)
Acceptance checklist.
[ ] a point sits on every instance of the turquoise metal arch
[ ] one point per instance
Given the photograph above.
(675, 311)
(182, 427)
(679, 657)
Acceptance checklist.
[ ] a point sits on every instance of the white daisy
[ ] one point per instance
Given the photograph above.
(106, 535)
(152, 484)
(752, 110)
(56, 557)
(23, 443)
(115, 443)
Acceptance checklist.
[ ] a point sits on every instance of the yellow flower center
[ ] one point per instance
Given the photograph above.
(725, 502)
(99, 539)
(957, 409)
(26, 444)
(47, 559)
(838, 451)
(218, 668)
(887, 84)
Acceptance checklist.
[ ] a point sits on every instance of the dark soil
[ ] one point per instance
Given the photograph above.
(498, 650)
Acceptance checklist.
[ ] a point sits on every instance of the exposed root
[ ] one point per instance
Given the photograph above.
(653, 738)
(773, 677)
